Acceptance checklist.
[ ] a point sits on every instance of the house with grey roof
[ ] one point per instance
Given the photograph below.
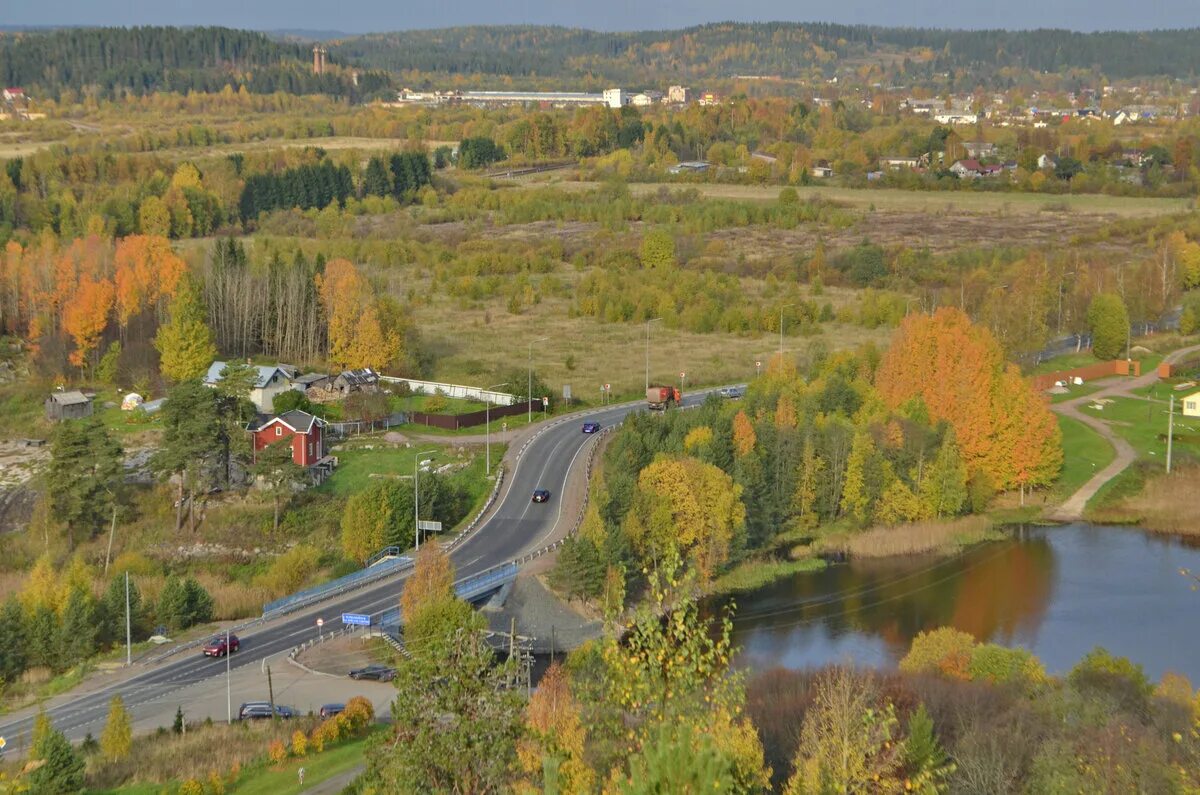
(72, 405)
(270, 380)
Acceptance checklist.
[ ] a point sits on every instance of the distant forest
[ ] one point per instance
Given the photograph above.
(787, 49)
(110, 62)
(116, 61)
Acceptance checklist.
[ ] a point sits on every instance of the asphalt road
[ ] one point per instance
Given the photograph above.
(516, 526)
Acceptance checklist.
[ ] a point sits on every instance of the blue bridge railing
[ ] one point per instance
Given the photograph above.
(340, 585)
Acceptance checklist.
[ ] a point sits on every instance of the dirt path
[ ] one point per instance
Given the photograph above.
(1072, 509)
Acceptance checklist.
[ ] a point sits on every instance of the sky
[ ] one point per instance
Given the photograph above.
(363, 16)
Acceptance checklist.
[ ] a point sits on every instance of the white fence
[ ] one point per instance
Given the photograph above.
(454, 390)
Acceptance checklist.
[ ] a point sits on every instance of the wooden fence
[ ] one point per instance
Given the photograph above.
(453, 422)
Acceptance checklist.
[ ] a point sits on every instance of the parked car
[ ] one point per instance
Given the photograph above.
(285, 712)
(591, 427)
(541, 495)
(254, 709)
(329, 710)
(217, 648)
(380, 673)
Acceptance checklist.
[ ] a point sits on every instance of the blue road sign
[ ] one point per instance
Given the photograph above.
(356, 619)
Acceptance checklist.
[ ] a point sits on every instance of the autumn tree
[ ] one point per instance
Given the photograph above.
(357, 334)
(1109, 323)
(85, 317)
(958, 373)
(552, 750)
(185, 342)
(117, 738)
(657, 251)
(154, 218)
(944, 483)
(686, 506)
(432, 580)
(850, 739)
(744, 437)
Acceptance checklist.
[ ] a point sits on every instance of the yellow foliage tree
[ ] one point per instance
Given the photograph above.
(555, 738)
(117, 738)
(432, 580)
(744, 437)
(687, 506)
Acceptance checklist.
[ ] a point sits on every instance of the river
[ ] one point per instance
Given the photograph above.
(1057, 591)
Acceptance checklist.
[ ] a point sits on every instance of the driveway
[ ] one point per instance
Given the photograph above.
(1072, 509)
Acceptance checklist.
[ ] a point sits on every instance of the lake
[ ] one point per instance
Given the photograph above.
(1057, 591)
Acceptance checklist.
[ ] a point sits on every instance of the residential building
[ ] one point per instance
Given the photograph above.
(72, 405)
(966, 169)
(646, 98)
(979, 149)
(1045, 161)
(679, 95)
(307, 381)
(822, 170)
(709, 98)
(955, 117)
(763, 156)
(896, 163)
(616, 97)
(1191, 405)
(362, 380)
(305, 431)
(269, 381)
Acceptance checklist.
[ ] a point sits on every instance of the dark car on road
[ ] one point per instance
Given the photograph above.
(261, 710)
(591, 427)
(329, 710)
(380, 673)
(541, 495)
(217, 648)
(732, 392)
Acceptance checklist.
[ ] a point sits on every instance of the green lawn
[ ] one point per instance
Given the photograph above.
(283, 780)
(1143, 423)
(1075, 391)
(1085, 452)
(368, 456)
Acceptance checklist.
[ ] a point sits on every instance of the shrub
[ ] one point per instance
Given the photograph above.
(277, 751)
(358, 715)
(944, 650)
(1099, 673)
(292, 570)
(299, 743)
(995, 663)
(191, 787)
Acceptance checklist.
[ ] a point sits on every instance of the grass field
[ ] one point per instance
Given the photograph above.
(934, 201)
(1085, 452)
(1143, 423)
(283, 780)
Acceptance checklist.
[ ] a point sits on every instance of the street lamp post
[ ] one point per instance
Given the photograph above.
(417, 498)
(648, 322)
(529, 382)
(487, 428)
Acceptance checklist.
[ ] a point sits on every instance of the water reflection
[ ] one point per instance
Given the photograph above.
(1057, 591)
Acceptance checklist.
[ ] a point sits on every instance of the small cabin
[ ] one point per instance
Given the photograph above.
(72, 405)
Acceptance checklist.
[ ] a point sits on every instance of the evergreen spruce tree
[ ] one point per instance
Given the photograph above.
(77, 632)
(61, 771)
(14, 654)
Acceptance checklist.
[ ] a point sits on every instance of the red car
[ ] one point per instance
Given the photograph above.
(216, 647)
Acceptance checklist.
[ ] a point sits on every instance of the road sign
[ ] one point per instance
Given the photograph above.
(607, 387)
(320, 622)
(758, 364)
(683, 375)
(356, 620)
(429, 527)
(546, 400)
(3, 743)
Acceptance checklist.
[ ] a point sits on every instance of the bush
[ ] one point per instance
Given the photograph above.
(299, 743)
(292, 570)
(277, 751)
(184, 603)
(291, 400)
(996, 664)
(1124, 682)
(944, 650)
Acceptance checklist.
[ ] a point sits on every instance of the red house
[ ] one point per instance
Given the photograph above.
(305, 431)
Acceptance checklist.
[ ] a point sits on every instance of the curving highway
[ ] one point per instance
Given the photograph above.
(516, 526)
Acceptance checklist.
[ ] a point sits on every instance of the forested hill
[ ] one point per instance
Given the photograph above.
(787, 49)
(113, 61)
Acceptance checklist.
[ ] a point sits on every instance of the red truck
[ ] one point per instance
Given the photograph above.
(660, 398)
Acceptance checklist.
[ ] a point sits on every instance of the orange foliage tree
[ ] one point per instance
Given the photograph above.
(147, 272)
(957, 369)
(357, 336)
(85, 316)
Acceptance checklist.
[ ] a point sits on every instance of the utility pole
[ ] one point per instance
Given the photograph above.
(128, 626)
(271, 694)
(648, 322)
(1170, 431)
(529, 382)
(111, 532)
(228, 688)
(416, 499)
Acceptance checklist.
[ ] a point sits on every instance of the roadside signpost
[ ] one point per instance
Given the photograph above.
(356, 620)
(429, 526)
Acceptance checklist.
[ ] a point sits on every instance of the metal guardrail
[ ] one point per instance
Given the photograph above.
(386, 552)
